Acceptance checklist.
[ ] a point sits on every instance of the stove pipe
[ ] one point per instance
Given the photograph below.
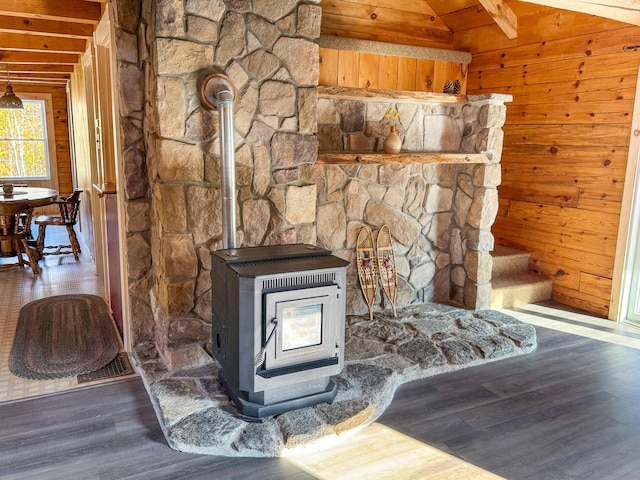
(217, 93)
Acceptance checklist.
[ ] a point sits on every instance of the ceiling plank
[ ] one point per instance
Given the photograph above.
(63, 10)
(16, 57)
(37, 26)
(468, 19)
(354, 26)
(503, 16)
(628, 14)
(38, 81)
(444, 7)
(37, 43)
(379, 14)
(412, 6)
(36, 67)
(34, 75)
(630, 4)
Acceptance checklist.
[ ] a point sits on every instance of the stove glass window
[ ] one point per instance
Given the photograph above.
(302, 326)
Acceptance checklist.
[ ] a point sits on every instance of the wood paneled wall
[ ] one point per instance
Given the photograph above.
(408, 22)
(566, 142)
(386, 72)
(61, 128)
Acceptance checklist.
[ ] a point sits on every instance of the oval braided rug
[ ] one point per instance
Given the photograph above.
(63, 336)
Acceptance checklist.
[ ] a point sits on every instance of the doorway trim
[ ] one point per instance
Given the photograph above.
(113, 168)
(628, 235)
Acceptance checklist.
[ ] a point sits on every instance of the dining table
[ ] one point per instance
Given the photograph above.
(21, 199)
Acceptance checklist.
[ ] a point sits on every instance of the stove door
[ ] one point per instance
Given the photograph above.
(300, 326)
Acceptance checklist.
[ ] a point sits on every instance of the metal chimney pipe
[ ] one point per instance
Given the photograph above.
(218, 93)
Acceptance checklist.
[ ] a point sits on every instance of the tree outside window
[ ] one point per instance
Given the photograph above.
(23, 142)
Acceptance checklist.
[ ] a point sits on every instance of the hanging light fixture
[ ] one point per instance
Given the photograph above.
(10, 99)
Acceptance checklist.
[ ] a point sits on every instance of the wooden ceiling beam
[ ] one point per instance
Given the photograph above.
(30, 67)
(77, 11)
(35, 81)
(13, 57)
(35, 75)
(620, 10)
(37, 26)
(503, 16)
(38, 43)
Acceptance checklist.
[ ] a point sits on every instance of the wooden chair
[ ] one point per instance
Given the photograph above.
(18, 234)
(68, 217)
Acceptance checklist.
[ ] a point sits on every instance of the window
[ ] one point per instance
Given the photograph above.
(24, 152)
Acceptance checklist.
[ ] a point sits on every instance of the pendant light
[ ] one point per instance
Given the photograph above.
(10, 99)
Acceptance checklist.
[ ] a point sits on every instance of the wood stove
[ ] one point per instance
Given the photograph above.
(278, 325)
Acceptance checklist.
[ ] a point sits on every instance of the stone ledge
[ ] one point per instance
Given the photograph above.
(438, 158)
(394, 49)
(196, 415)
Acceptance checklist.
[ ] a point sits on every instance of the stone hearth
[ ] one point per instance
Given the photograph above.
(197, 416)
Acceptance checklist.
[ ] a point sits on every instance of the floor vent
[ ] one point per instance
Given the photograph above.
(118, 367)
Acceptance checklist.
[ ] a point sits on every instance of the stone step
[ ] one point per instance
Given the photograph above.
(519, 289)
(509, 261)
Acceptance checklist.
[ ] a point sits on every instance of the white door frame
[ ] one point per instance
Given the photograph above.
(628, 230)
(104, 38)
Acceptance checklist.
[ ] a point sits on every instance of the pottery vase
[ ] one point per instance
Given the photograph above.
(393, 142)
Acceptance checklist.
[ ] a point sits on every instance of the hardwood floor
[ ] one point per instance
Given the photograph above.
(570, 410)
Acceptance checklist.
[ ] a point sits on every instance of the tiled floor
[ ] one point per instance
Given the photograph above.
(60, 275)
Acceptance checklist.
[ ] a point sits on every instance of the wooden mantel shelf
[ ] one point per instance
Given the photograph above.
(350, 92)
(341, 158)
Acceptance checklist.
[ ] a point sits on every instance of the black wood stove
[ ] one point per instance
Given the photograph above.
(278, 325)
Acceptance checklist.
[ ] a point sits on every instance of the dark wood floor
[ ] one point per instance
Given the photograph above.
(570, 410)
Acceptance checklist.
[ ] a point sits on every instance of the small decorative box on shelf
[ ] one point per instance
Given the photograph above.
(380, 158)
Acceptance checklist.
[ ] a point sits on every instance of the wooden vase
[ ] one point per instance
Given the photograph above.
(393, 143)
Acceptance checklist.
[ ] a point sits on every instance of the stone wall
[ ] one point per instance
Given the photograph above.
(172, 167)
(133, 65)
(267, 50)
(440, 216)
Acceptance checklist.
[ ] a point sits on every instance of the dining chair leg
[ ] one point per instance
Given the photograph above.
(31, 255)
(75, 245)
(18, 250)
(40, 239)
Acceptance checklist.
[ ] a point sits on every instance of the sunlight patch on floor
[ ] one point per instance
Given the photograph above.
(577, 324)
(379, 452)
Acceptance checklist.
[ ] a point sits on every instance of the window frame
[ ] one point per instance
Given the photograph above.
(49, 132)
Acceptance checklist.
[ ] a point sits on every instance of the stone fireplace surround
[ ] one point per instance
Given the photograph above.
(439, 198)
(440, 215)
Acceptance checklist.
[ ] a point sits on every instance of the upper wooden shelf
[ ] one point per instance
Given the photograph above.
(380, 158)
(349, 92)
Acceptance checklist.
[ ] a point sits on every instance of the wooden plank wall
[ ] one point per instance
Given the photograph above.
(369, 70)
(566, 142)
(61, 128)
(410, 22)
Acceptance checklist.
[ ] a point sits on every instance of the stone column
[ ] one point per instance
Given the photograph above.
(485, 136)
